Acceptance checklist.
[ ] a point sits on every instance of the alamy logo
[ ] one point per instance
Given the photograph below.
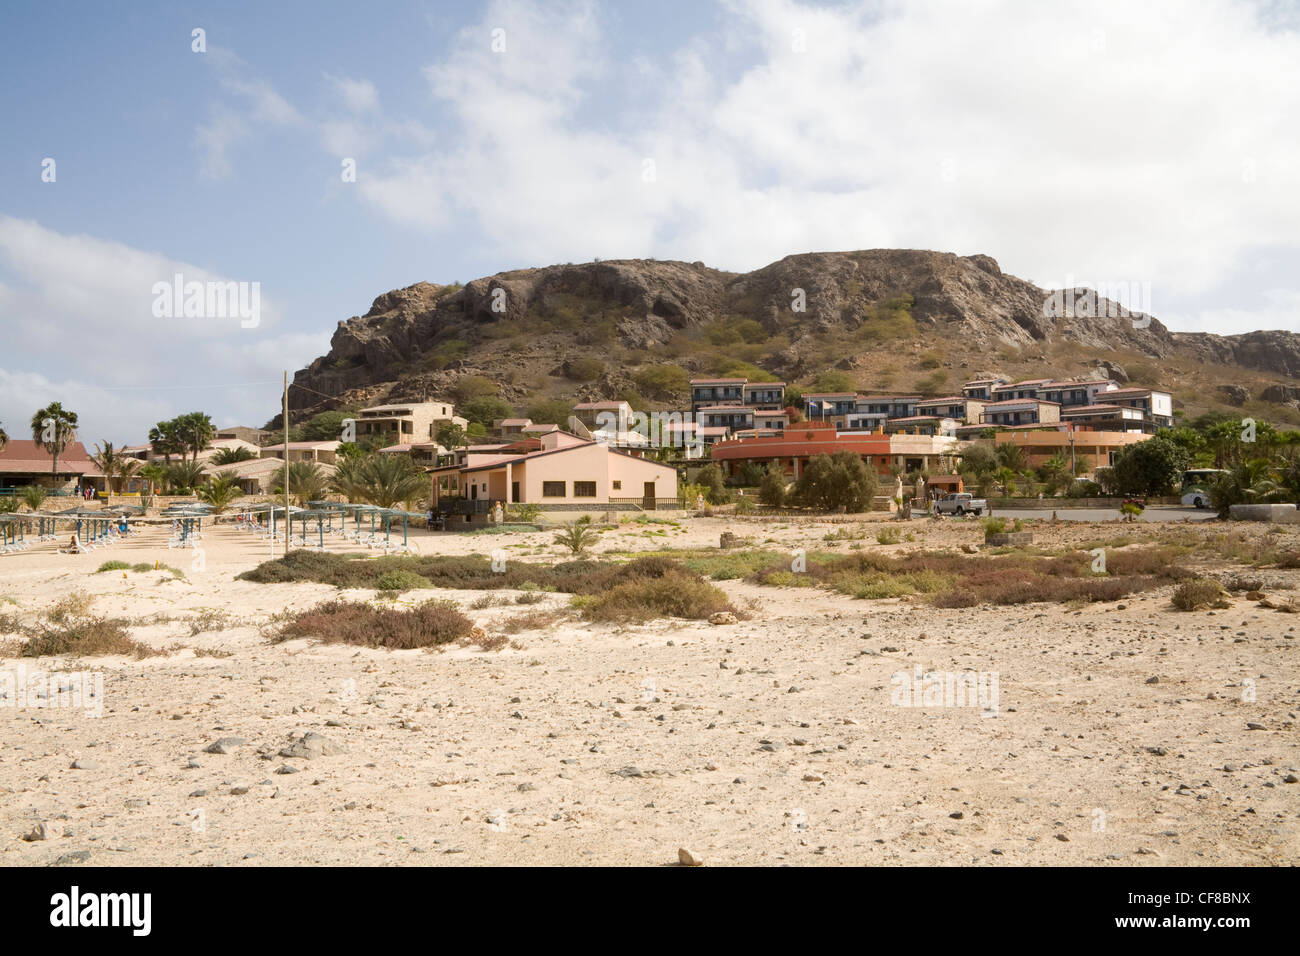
(946, 689)
(208, 300)
(83, 690)
(1112, 300)
(650, 430)
(103, 909)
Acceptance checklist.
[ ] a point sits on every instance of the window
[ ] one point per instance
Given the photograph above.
(552, 489)
(618, 486)
(584, 489)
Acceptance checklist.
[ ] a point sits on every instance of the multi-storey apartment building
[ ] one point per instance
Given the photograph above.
(406, 421)
(1020, 411)
(717, 391)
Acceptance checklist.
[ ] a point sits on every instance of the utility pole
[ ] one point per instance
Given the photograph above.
(287, 526)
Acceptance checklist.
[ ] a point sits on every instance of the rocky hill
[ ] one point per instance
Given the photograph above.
(888, 319)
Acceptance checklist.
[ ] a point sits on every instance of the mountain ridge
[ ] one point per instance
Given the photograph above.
(865, 313)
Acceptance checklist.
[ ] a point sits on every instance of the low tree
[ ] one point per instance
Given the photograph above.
(1055, 473)
(1248, 482)
(577, 537)
(184, 476)
(771, 489)
(116, 467)
(831, 482)
(1010, 455)
(550, 411)
(233, 456)
(306, 482)
(324, 426)
(486, 410)
(715, 491)
(1150, 467)
(155, 475)
(221, 489)
(979, 460)
(33, 496)
(388, 480)
(749, 474)
(451, 436)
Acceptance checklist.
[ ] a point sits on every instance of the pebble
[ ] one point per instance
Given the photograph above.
(689, 858)
(226, 745)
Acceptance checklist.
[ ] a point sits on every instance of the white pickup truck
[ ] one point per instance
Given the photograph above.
(960, 504)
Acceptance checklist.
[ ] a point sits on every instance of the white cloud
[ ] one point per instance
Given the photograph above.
(1143, 143)
(359, 96)
(253, 104)
(86, 335)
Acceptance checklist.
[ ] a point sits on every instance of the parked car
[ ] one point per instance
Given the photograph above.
(960, 503)
(1196, 497)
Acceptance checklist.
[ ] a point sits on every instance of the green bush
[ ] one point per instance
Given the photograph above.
(112, 566)
(401, 581)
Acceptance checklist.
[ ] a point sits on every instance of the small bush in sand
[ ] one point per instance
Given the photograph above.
(888, 536)
(209, 619)
(356, 622)
(1200, 593)
(76, 604)
(83, 637)
(531, 621)
(672, 595)
(401, 581)
(112, 566)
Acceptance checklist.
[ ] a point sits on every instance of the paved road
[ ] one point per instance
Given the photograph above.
(1155, 513)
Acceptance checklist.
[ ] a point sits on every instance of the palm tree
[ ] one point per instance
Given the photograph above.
(579, 536)
(1250, 481)
(1006, 477)
(165, 440)
(154, 474)
(347, 480)
(221, 489)
(33, 496)
(386, 480)
(232, 456)
(195, 432)
(1010, 455)
(1055, 473)
(184, 475)
(306, 482)
(4, 438)
(116, 466)
(53, 428)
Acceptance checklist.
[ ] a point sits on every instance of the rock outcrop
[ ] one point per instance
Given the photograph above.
(418, 341)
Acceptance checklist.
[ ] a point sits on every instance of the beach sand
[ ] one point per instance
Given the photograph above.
(771, 741)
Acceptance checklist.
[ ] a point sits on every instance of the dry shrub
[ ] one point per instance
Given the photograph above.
(1200, 593)
(83, 637)
(494, 642)
(76, 604)
(364, 625)
(1288, 559)
(531, 621)
(671, 595)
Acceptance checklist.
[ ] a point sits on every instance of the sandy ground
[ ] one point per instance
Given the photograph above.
(772, 741)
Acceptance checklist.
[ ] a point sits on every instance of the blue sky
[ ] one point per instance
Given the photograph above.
(1083, 142)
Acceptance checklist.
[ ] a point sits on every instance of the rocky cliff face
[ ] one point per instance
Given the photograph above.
(418, 341)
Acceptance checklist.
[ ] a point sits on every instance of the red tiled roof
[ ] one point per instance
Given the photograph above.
(22, 455)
